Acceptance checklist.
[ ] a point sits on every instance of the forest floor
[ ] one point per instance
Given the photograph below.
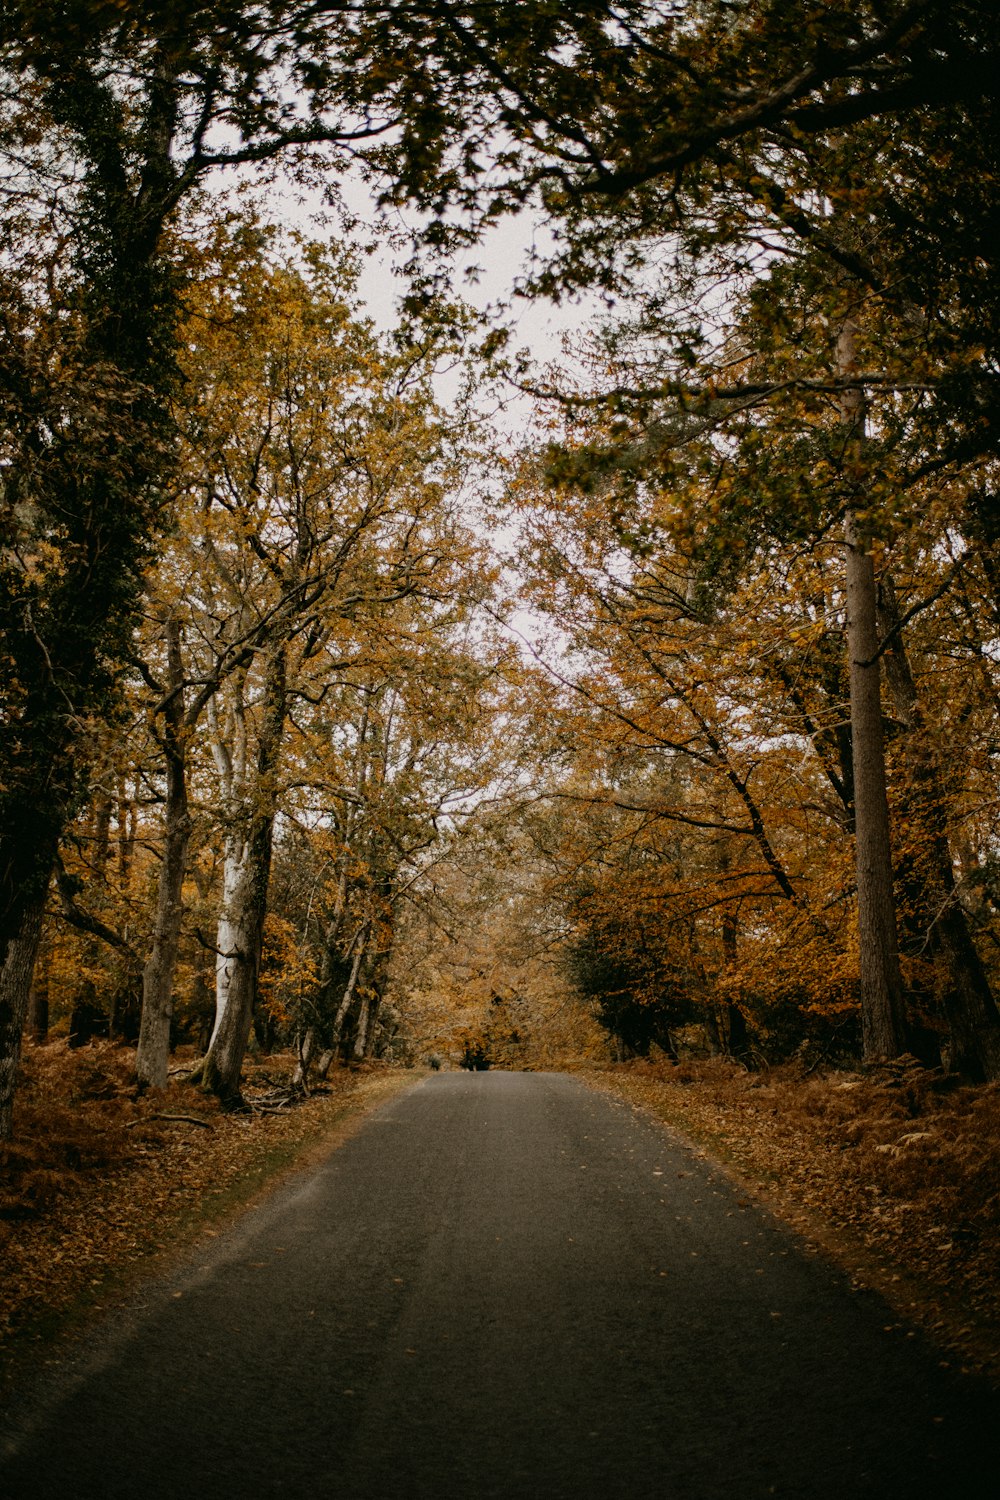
(895, 1174)
(102, 1186)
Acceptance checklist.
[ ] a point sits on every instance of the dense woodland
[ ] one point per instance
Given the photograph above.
(334, 717)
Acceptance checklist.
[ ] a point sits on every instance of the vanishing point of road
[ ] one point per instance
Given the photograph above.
(506, 1285)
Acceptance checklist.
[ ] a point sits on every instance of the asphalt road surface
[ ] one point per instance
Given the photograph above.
(506, 1285)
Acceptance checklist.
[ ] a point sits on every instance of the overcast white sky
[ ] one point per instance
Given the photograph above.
(536, 325)
(504, 253)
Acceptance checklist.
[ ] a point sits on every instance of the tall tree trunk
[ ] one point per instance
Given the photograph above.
(38, 1005)
(388, 1029)
(242, 926)
(222, 1064)
(325, 1063)
(126, 833)
(376, 985)
(334, 975)
(883, 1024)
(97, 488)
(969, 1002)
(152, 1057)
(231, 936)
(16, 973)
(88, 1017)
(321, 1000)
(735, 1036)
(883, 1021)
(372, 990)
(350, 989)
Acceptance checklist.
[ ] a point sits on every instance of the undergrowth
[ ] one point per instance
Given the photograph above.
(78, 1113)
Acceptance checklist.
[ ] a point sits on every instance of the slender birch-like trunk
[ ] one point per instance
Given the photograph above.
(241, 925)
(231, 932)
(350, 989)
(308, 1043)
(153, 1054)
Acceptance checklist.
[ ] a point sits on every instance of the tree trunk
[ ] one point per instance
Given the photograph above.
(325, 1063)
(222, 1064)
(371, 1034)
(88, 1016)
(126, 834)
(97, 485)
(350, 989)
(361, 1029)
(969, 1002)
(883, 1023)
(153, 1054)
(733, 1028)
(307, 1051)
(388, 1029)
(15, 987)
(231, 934)
(38, 1005)
(241, 927)
(376, 988)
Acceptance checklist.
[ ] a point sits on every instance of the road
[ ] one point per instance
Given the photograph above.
(506, 1285)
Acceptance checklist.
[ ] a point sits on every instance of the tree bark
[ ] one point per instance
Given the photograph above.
(241, 926)
(883, 1022)
(883, 1026)
(320, 1005)
(350, 989)
(361, 1029)
(307, 1051)
(325, 1063)
(153, 1054)
(231, 935)
(969, 1003)
(15, 988)
(377, 986)
(733, 1031)
(38, 1007)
